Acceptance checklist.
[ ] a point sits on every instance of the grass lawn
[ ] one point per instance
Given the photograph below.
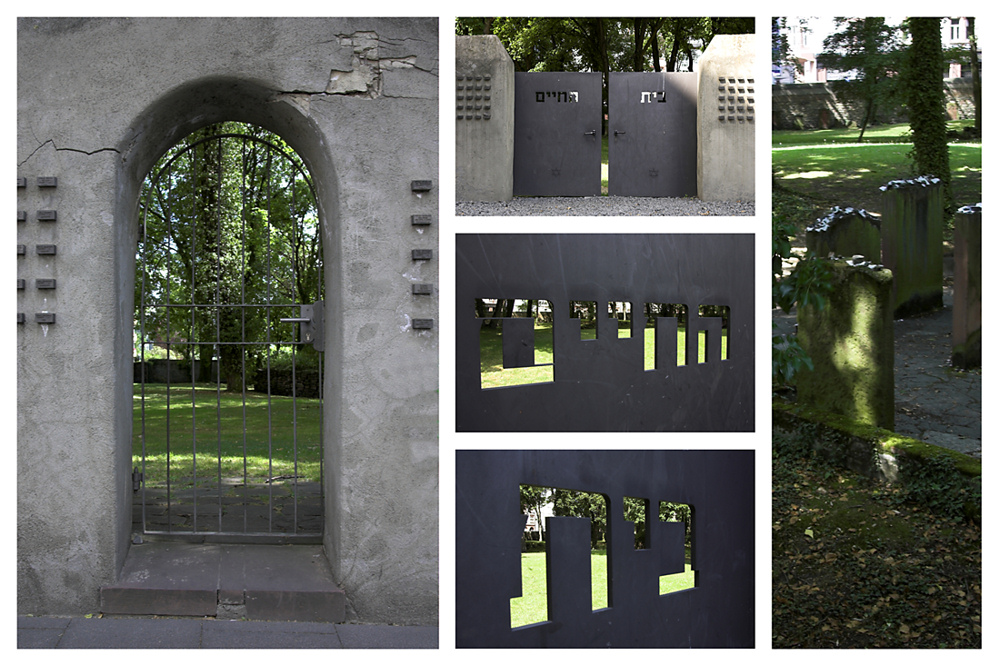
(856, 565)
(604, 166)
(851, 174)
(222, 427)
(532, 606)
(899, 132)
(491, 354)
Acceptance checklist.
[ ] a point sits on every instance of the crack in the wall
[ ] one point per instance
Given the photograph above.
(58, 149)
(364, 76)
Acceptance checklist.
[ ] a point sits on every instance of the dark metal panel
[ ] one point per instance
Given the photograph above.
(653, 134)
(557, 133)
(601, 384)
(717, 612)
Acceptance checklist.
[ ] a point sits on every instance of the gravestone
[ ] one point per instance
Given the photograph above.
(967, 313)
(484, 119)
(850, 342)
(845, 232)
(912, 243)
(727, 94)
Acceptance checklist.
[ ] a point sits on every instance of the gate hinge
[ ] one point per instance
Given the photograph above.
(136, 479)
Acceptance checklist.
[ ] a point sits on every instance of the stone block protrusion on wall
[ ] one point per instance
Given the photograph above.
(727, 94)
(850, 342)
(845, 232)
(484, 125)
(967, 314)
(912, 243)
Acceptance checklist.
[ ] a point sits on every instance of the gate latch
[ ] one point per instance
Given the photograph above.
(310, 321)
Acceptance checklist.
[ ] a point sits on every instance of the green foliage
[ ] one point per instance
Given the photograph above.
(533, 547)
(925, 101)
(584, 505)
(787, 359)
(227, 217)
(935, 482)
(870, 47)
(809, 284)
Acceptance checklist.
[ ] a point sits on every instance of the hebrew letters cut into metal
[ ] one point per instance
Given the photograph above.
(653, 134)
(557, 133)
(717, 612)
(633, 332)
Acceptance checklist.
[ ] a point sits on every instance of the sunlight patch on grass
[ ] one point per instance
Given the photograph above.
(808, 175)
(532, 606)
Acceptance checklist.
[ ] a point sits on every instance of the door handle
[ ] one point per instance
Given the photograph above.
(310, 320)
(617, 132)
(590, 133)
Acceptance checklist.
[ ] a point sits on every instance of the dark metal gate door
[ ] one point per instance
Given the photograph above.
(557, 133)
(228, 343)
(653, 134)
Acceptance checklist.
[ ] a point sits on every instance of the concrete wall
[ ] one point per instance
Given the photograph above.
(484, 125)
(819, 106)
(726, 134)
(99, 100)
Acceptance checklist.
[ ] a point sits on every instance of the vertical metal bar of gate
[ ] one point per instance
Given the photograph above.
(192, 347)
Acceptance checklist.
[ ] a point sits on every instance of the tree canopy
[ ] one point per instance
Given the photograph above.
(872, 49)
(604, 44)
(227, 218)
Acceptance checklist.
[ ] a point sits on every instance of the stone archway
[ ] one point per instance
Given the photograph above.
(175, 115)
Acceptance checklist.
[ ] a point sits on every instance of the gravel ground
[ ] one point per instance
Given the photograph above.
(602, 206)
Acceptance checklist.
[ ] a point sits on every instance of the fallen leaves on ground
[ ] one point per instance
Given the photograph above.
(855, 567)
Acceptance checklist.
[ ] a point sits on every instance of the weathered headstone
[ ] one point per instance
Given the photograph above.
(912, 243)
(850, 342)
(484, 119)
(726, 119)
(845, 232)
(967, 314)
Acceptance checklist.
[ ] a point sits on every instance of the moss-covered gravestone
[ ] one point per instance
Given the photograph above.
(845, 232)
(967, 316)
(912, 243)
(850, 342)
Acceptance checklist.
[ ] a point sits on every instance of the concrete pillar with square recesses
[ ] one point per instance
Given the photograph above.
(484, 119)
(727, 103)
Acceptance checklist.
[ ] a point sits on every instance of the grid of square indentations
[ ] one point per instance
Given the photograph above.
(736, 99)
(472, 97)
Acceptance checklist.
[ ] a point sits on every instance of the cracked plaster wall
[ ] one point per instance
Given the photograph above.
(98, 101)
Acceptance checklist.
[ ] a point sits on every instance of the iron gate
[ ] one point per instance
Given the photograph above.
(653, 134)
(230, 298)
(557, 133)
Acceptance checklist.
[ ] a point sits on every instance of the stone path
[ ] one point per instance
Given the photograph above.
(934, 402)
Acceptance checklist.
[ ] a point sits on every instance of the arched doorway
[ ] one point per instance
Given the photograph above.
(228, 342)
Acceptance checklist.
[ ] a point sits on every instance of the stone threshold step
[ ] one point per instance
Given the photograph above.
(258, 582)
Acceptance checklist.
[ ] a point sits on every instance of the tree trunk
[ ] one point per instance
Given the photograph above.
(656, 51)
